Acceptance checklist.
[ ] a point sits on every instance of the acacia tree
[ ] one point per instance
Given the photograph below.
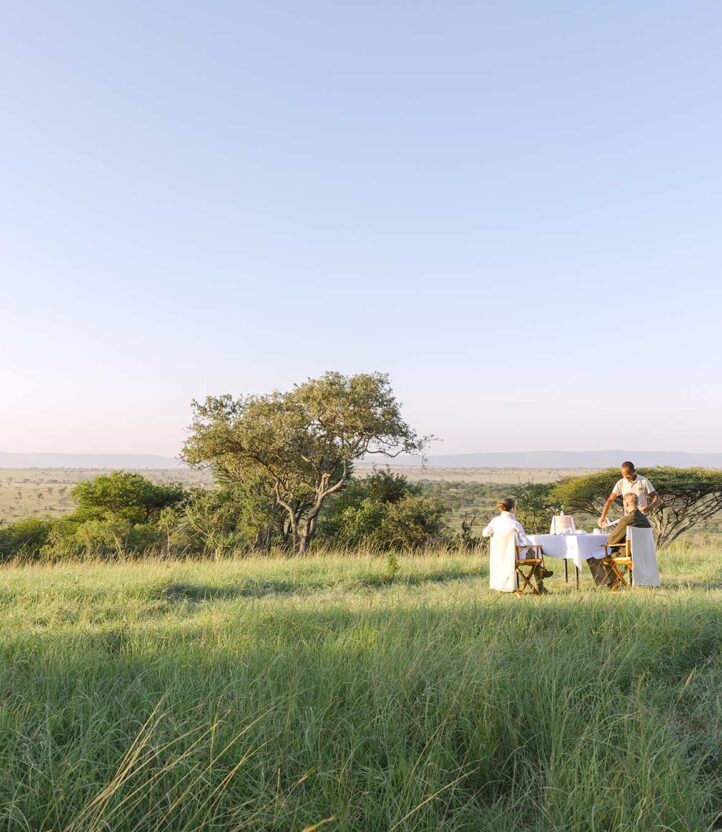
(687, 496)
(533, 507)
(125, 494)
(302, 444)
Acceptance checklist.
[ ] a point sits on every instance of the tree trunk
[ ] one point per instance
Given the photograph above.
(303, 541)
(309, 530)
(294, 530)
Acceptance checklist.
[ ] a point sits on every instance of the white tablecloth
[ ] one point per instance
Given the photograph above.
(574, 547)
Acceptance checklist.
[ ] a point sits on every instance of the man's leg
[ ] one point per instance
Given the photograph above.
(600, 573)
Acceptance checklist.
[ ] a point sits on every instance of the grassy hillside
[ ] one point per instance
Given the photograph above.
(341, 694)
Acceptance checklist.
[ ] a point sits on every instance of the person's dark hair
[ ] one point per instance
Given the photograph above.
(507, 504)
(628, 466)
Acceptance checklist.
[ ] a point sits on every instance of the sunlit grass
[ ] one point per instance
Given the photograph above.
(284, 694)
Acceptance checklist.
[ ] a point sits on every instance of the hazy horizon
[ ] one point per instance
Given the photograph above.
(512, 209)
(594, 458)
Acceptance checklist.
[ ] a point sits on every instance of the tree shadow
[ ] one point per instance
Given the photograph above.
(680, 585)
(179, 591)
(360, 697)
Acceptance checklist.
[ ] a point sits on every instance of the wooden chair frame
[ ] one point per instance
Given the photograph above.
(620, 564)
(520, 564)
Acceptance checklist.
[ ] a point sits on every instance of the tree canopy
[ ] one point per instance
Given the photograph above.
(533, 506)
(124, 494)
(301, 444)
(687, 496)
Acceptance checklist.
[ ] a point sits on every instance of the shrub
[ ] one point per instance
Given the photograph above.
(24, 539)
(384, 511)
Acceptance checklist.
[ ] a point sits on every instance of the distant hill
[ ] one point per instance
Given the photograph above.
(40, 460)
(522, 459)
(564, 459)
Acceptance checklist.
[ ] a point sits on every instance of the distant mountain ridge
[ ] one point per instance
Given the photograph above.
(565, 459)
(43, 460)
(519, 459)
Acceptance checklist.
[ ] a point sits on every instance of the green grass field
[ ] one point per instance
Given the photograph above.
(346, 693)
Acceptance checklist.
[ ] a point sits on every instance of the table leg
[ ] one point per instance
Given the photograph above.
(566, 571)
(576, 569)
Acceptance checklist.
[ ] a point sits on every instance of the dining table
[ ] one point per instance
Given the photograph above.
(575, 547)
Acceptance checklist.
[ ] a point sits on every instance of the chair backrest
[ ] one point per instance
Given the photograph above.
(517, 545)
(502, 558)
(645, 571)
(503, 544)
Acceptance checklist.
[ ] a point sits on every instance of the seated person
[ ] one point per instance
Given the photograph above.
(505, 523)
(632, 517)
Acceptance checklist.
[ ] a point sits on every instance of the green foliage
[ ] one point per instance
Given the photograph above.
(383, 511)
(111, 536)
(117, 514)
(534, 506)
(237, 517)
(378, 488)
(392, 564)
(467, 541)
(300, 445)
(126, 495)
(411, 523)
(688, 496)
(24, 539)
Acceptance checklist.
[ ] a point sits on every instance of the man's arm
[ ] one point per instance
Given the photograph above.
(610, 501)
(653, 501)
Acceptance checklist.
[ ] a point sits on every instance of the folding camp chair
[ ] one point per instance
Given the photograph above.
(617, 561)
(635, 559)
(524, 565)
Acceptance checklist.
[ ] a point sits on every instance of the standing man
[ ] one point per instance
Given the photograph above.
(631, 483)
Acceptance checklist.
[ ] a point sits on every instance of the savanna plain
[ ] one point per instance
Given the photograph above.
(355, 692)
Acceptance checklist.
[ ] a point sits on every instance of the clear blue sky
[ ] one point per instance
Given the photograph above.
(513, 208)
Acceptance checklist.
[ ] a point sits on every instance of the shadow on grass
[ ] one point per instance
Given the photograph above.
(202, 592)
(676, 585)
(180, 591)
(399, 579)
(434, 692)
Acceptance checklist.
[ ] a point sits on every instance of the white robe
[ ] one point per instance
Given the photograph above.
(505, 531)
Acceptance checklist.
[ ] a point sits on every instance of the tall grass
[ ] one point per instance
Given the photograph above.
(344, 693)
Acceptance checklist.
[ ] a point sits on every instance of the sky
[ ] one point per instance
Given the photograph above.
(513, 208)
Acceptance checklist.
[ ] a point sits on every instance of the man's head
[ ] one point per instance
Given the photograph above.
(629, 472)
(630, 503)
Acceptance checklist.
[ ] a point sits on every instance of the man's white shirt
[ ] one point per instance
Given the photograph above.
(642, 487)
